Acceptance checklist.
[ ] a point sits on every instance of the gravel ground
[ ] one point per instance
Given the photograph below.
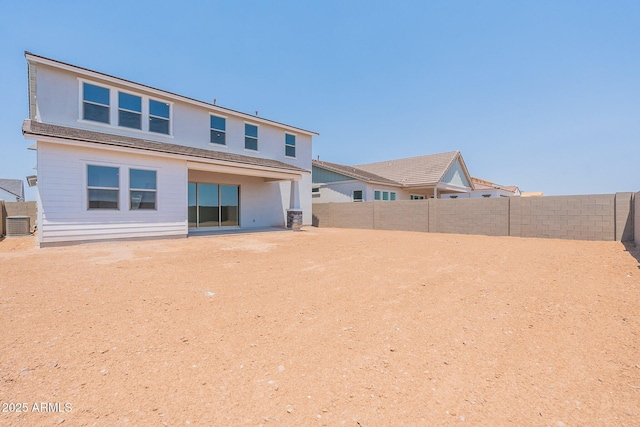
(321, 327)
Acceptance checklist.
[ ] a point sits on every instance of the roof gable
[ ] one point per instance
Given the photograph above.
(13, 186)
(456, 175)
(422, 170)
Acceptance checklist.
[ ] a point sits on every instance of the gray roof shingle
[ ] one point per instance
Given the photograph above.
(30, 127)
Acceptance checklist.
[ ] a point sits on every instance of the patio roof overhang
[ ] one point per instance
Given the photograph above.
(268, 174)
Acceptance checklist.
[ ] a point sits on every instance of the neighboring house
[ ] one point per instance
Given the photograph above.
(12, 190)
(488, 189)
(413, 178)
(118, 159)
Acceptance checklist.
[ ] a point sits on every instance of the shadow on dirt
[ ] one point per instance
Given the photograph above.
(633, 250)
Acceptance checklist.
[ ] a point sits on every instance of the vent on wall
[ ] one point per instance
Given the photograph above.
(18, 226)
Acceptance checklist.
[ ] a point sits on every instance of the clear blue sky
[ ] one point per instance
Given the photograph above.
(540, 94)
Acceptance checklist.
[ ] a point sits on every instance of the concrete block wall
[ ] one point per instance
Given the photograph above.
(636, 218)
(21, 209)
(471, 216)
(589, 217)
(343, 215)
(407, 215)
(3, 215)
(624, 217)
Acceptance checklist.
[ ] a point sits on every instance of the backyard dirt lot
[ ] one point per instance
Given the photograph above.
(321, 327)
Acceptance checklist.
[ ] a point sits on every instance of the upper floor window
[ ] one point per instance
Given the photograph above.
(142, 189)
(218, 130)
(129, 110)
(289, 145)
(103, 187)
(250, 137)
(95, 103)
(158, 117)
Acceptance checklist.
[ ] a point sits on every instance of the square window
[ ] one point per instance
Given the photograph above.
(250, 137)
(376, 195)
(218, 130)
(95, 103)
(385, 195)
(103, 187)
(357, 196)
(289, 145)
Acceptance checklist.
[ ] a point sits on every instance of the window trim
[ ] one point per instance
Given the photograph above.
(129, 111)
(391, 196)
(257, 150)
(211, 128)
(290, 146)
(168, 119)
(88, 187)
(147, 190)
(113, 112)
(82, 101)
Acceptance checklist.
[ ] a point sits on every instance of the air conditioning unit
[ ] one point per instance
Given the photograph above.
(18, 226)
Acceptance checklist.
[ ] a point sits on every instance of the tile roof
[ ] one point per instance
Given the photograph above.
(481, 184)
(352, 172)
(421, 170)
(31, 127)
(13, 186)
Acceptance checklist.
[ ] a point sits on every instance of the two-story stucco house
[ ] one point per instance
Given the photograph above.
(122, 160)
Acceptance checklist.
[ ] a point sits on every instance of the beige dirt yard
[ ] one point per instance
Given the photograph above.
(321, 327)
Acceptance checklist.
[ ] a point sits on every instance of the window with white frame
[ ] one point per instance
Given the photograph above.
(384, 195)
(95, 103)
(358, 196)
(159, 116)
(416, 197)
(289, 145)
(129, 110)
(218, 130)
(142, 189)
(103, 187)
(250, 137)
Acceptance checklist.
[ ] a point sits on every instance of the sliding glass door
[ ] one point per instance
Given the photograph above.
(213, 205)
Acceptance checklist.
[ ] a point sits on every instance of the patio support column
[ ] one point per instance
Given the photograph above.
(435, 192)
(294, 197)
(294, 213)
